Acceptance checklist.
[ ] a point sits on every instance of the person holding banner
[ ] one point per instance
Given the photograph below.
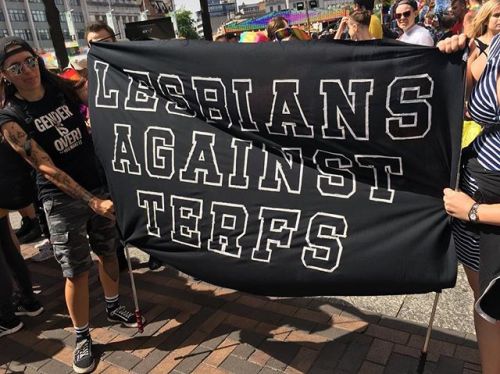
(101, 32)
(477, 240)
(51, 135)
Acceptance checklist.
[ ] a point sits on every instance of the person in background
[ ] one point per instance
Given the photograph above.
(446, 20)
(76, 204)
(101, 32)
(30, 230)
(477, 241)
(375, 27)
(474, 6)
(357, 24)
(484, 27)
(405, 13)
(275, 23)
(16, 190)
(459, 10)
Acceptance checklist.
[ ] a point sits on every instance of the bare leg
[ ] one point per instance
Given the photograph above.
(488, 334)
(76, 293)
(109, 275)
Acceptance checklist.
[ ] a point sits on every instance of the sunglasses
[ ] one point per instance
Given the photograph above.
(17, 68)
(286, 32)
(406, 14)
(106, 39)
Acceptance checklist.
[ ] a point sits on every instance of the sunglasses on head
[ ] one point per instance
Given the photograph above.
(286, 32)
(18, 67)
(406, 14)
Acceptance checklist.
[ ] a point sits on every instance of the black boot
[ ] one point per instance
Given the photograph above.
(9, 323)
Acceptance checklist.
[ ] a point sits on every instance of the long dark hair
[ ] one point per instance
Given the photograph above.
(64, 86)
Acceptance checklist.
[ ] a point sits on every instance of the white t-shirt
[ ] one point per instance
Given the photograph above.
(417, 35)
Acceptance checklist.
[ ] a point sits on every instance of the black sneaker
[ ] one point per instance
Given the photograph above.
(11, 326)
(29, 231)
(28, 307)
(83, 361)
(122, 315)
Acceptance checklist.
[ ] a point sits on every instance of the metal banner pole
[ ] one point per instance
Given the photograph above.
(423, 353)
(138, 314)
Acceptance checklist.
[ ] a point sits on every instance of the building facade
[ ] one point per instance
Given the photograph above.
(220, 11)
(27, 19)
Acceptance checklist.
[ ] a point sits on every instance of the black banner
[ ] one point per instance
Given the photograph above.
(283, 168)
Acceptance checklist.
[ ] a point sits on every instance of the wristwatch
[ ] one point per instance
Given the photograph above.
(473, 216)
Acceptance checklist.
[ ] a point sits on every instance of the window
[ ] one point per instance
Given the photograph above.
(23, 34)
(74, 2)
(3, 33)
(2, 17)
(78, 17)
(271, 9)
(59, 2)
(81, 34)
(66, 35)
(18, 15)
(35, 1)
(62, 17)
(39, 16)
(43, 34)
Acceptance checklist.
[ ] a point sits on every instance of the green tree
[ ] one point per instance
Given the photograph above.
(185, 24)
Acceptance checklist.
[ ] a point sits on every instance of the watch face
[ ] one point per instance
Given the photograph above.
(473, 217)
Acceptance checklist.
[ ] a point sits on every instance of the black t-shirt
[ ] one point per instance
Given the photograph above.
(59, 128)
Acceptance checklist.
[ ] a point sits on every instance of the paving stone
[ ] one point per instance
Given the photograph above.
(379, 351)
(243, 351)
(389, 334)
(123, 359)
(237, 365)
(281, 353)
(370, 368)
(468, 354)
(54, 366)
(303, 361)
(449, 365)
(35, 360)
(59, 334)
(189, 363)
(333, 333)
(328, 357)
(267, 370)
(12, 350)
(355, 354)
(399, 364)
(398, 324)
(151, 360)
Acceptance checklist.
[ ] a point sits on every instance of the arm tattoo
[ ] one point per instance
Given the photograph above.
(42, 162)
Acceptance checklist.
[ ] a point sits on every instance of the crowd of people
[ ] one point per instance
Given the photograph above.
(61, 191)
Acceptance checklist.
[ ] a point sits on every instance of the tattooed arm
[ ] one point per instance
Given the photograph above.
(42, 162)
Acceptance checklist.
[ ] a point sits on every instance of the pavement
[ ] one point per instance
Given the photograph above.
(196, 327)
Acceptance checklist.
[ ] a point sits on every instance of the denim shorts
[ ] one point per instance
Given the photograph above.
(75, 229)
